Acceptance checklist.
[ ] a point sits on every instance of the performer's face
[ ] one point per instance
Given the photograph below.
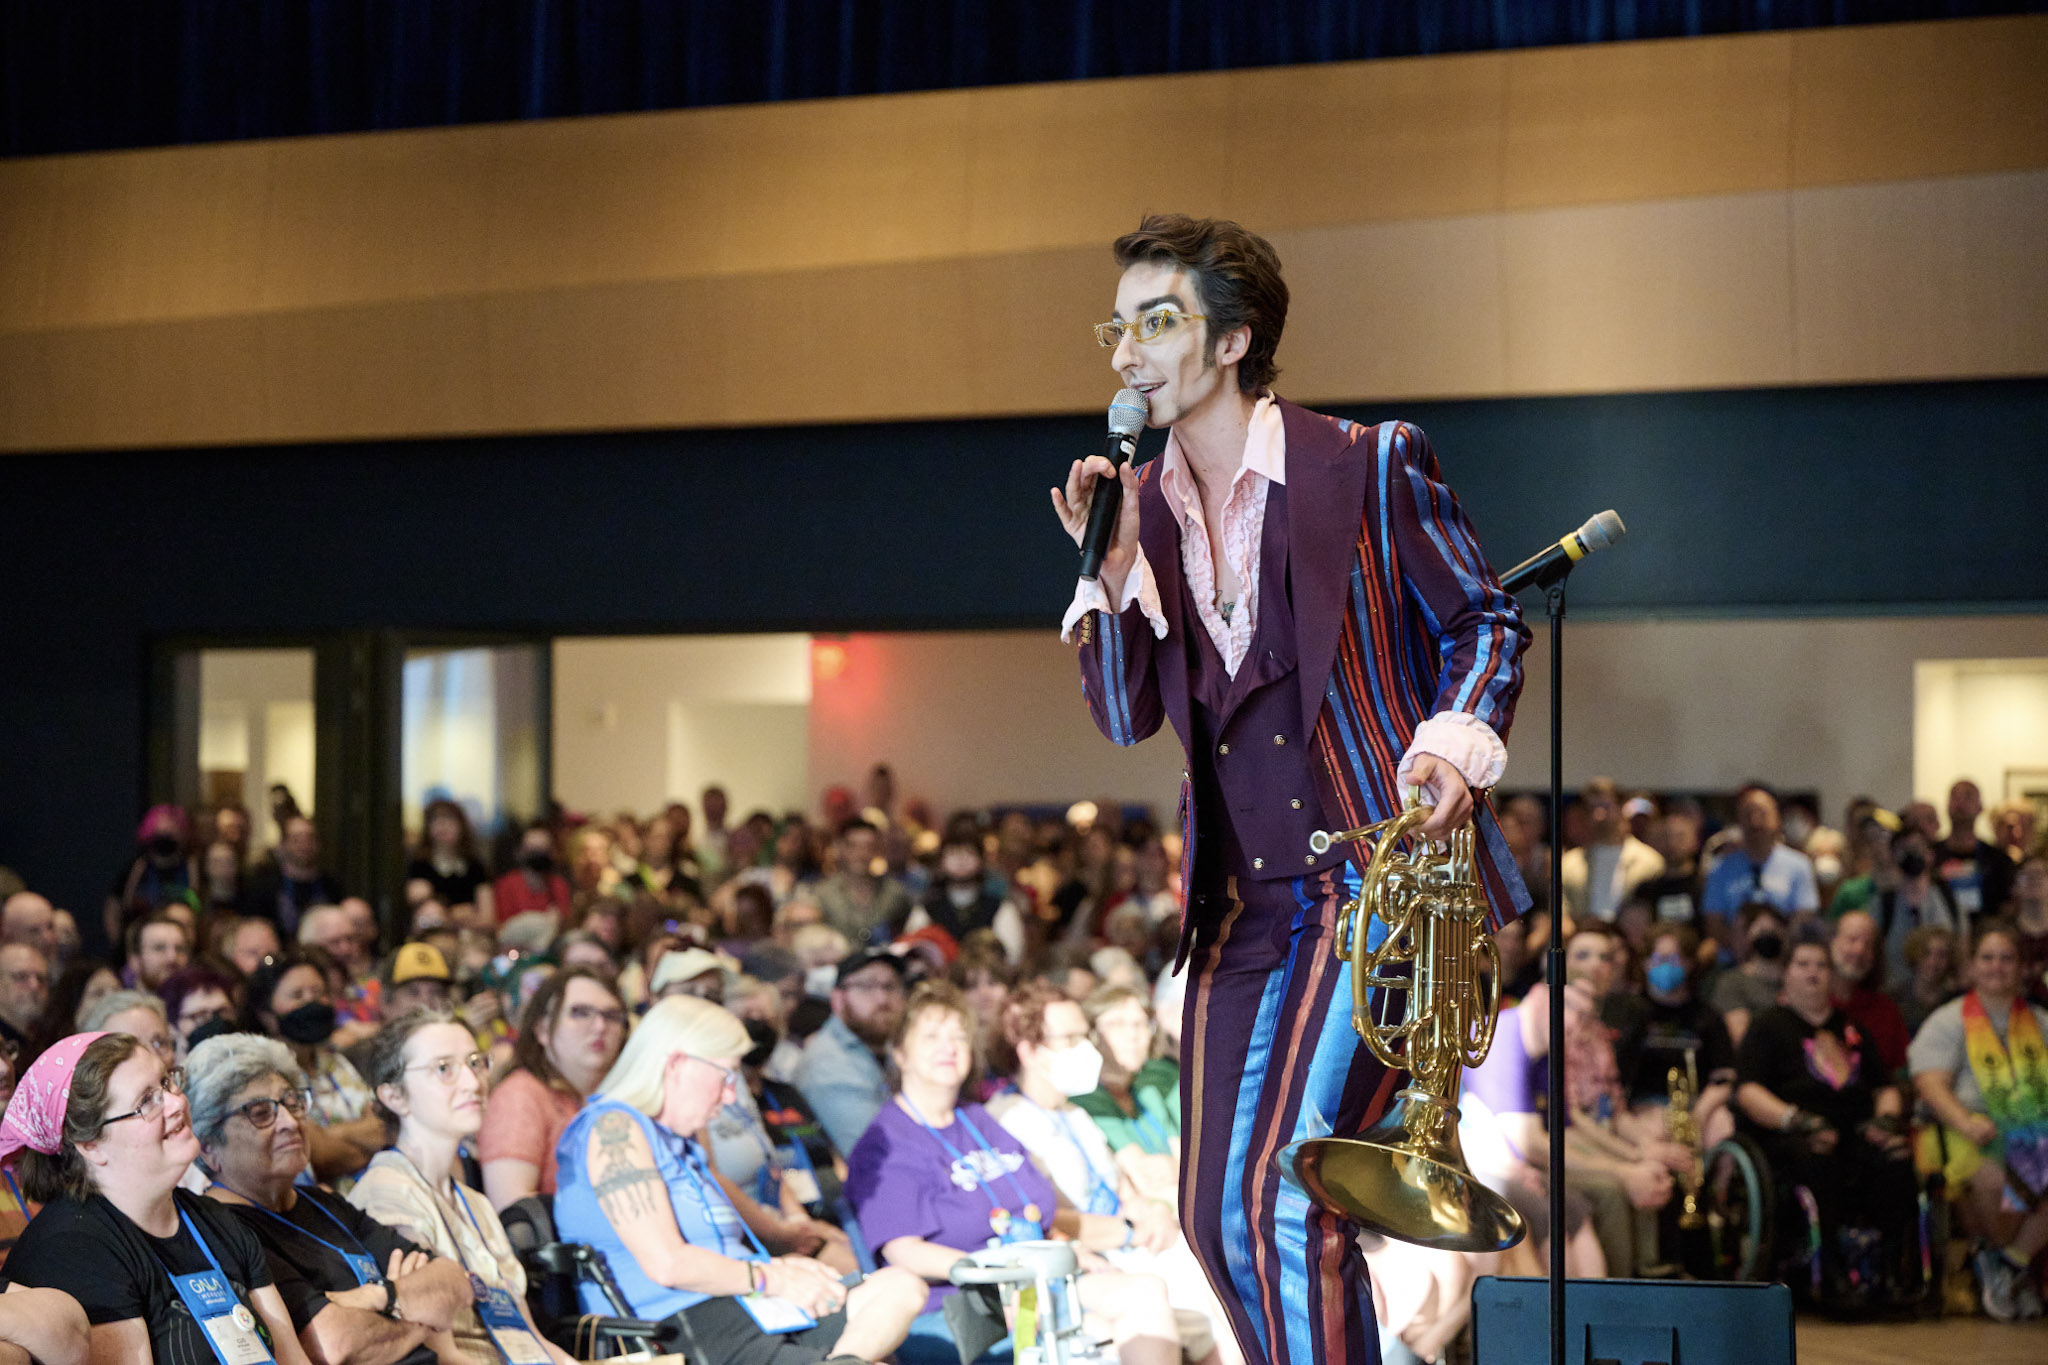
(1176, 371)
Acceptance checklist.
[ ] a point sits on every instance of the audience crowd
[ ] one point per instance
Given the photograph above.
(781, 1073)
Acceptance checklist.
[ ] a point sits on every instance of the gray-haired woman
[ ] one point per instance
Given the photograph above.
(356, 1290)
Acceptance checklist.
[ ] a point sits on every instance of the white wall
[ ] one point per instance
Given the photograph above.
(1824, 703)
(640, 721)
(256, 716)
(972, 718)
(1984, 719)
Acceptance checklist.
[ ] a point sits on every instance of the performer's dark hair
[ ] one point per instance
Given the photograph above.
(1236, 273)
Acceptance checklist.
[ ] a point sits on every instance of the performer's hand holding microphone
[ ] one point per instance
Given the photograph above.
(1102, 517)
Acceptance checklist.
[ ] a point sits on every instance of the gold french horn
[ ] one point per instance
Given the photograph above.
(1406, 1177)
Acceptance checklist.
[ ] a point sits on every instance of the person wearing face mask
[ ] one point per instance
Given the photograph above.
(1678, 1029)
(1752, 987)
(936, 1178)
(101, 1132)
(961, 900)
(288, 998)
(164, 869)
(536, 883)
(1917, 897)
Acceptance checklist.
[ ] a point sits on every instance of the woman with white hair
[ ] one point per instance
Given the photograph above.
(140, 1015)
(634, 1183)
(356, 1291)
(429, 1083)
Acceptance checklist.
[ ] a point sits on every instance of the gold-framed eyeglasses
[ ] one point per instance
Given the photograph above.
(261, 1113)
(446, 1069)
(151, 1102)
(1149, 325)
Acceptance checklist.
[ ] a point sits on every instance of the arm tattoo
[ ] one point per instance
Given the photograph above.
(622, 1177)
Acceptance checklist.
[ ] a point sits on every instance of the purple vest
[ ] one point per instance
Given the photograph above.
(1255, 798)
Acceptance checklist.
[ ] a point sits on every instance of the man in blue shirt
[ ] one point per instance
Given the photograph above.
(841, 1075)
(1760, 867)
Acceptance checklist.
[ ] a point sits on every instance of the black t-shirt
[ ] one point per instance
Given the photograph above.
(306, 1270)
(1662, 1036)
(1831, 1070)
(116, 1271)
(452, 888)
(788, 1119)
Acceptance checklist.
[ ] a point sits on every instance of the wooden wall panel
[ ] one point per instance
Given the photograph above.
(1686, 293)
(1594, 218)
(1648, 121)
(1923, 279)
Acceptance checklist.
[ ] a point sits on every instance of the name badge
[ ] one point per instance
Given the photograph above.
(507, 1325)
(776, 1316)
(797, 1176)
(363, 1267)
(229, 1325)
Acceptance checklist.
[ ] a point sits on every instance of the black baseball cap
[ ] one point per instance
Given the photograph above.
(868, 957)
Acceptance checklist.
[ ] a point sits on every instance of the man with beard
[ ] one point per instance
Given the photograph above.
(24, 990)
(841, 1075)
(1859, 987)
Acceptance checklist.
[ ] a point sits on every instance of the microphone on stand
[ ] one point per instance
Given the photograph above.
(1127, 412)
(1546, 567)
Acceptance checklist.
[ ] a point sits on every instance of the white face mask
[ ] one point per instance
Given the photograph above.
(819, 981)
(1828, 868)
(1075, 1070)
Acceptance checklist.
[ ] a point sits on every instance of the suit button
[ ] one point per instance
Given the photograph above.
(1309, 858)
(1223, 748)
(1258, 863)
(1279, 739)
(1296, 803)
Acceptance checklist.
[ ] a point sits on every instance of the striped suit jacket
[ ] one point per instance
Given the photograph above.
(1399, 614)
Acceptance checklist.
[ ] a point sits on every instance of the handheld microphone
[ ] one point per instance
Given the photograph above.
(1127, 412)
(1542, 569)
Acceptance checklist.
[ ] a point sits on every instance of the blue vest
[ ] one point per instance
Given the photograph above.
(704, 1216)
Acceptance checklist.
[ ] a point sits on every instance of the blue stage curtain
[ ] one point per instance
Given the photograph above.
(79, 75)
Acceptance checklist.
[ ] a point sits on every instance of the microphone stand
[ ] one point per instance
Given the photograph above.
(1554, 972)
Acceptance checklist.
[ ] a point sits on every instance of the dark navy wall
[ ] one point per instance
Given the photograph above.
(1902, 498)
(87, 75)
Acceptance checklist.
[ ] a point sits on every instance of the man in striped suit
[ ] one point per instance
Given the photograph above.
(1306, 604)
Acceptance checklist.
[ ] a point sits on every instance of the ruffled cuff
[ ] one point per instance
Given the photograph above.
(1462, 740)
(1139, 587)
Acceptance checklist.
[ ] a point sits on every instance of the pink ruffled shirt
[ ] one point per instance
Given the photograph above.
(1459, 738)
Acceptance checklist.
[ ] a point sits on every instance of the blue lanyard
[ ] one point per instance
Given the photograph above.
(324, 1213)
(689, 1160)
(1009, 1177)
(204, 1249)
(1104, 1197)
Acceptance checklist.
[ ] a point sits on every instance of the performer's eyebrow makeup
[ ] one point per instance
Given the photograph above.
(1149, 304)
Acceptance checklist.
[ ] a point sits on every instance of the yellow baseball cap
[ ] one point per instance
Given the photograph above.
(418, 962)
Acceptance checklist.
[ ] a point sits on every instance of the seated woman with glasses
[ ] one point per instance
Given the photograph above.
(933, 1180)
(357, 1291)
(429, 1081)
(569, 1035)
(636, 1186)
(102, 1135)
(1136, 1104)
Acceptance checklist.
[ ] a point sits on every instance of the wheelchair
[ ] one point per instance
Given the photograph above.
(1739, 1200)
(554, 1272)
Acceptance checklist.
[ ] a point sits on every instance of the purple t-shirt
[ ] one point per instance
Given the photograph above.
(905, 1183)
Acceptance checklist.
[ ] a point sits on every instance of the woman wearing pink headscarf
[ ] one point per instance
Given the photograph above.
(100, 1133)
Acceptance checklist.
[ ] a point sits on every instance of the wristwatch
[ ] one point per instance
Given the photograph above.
(391, 1309)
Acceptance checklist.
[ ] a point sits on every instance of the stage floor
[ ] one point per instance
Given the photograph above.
(1967, 1341)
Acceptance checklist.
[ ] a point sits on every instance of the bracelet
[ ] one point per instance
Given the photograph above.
(391, 1309)
(1791, 1113)
(757, 1277)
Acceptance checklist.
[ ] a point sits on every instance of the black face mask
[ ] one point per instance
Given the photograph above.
(765, 1038)
(212, 1028)
(309, 1025)
(1767, 946)
(1913, 864)
(164, 847)
(542, 863)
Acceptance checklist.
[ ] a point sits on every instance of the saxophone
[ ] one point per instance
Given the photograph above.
(1681, 1127)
